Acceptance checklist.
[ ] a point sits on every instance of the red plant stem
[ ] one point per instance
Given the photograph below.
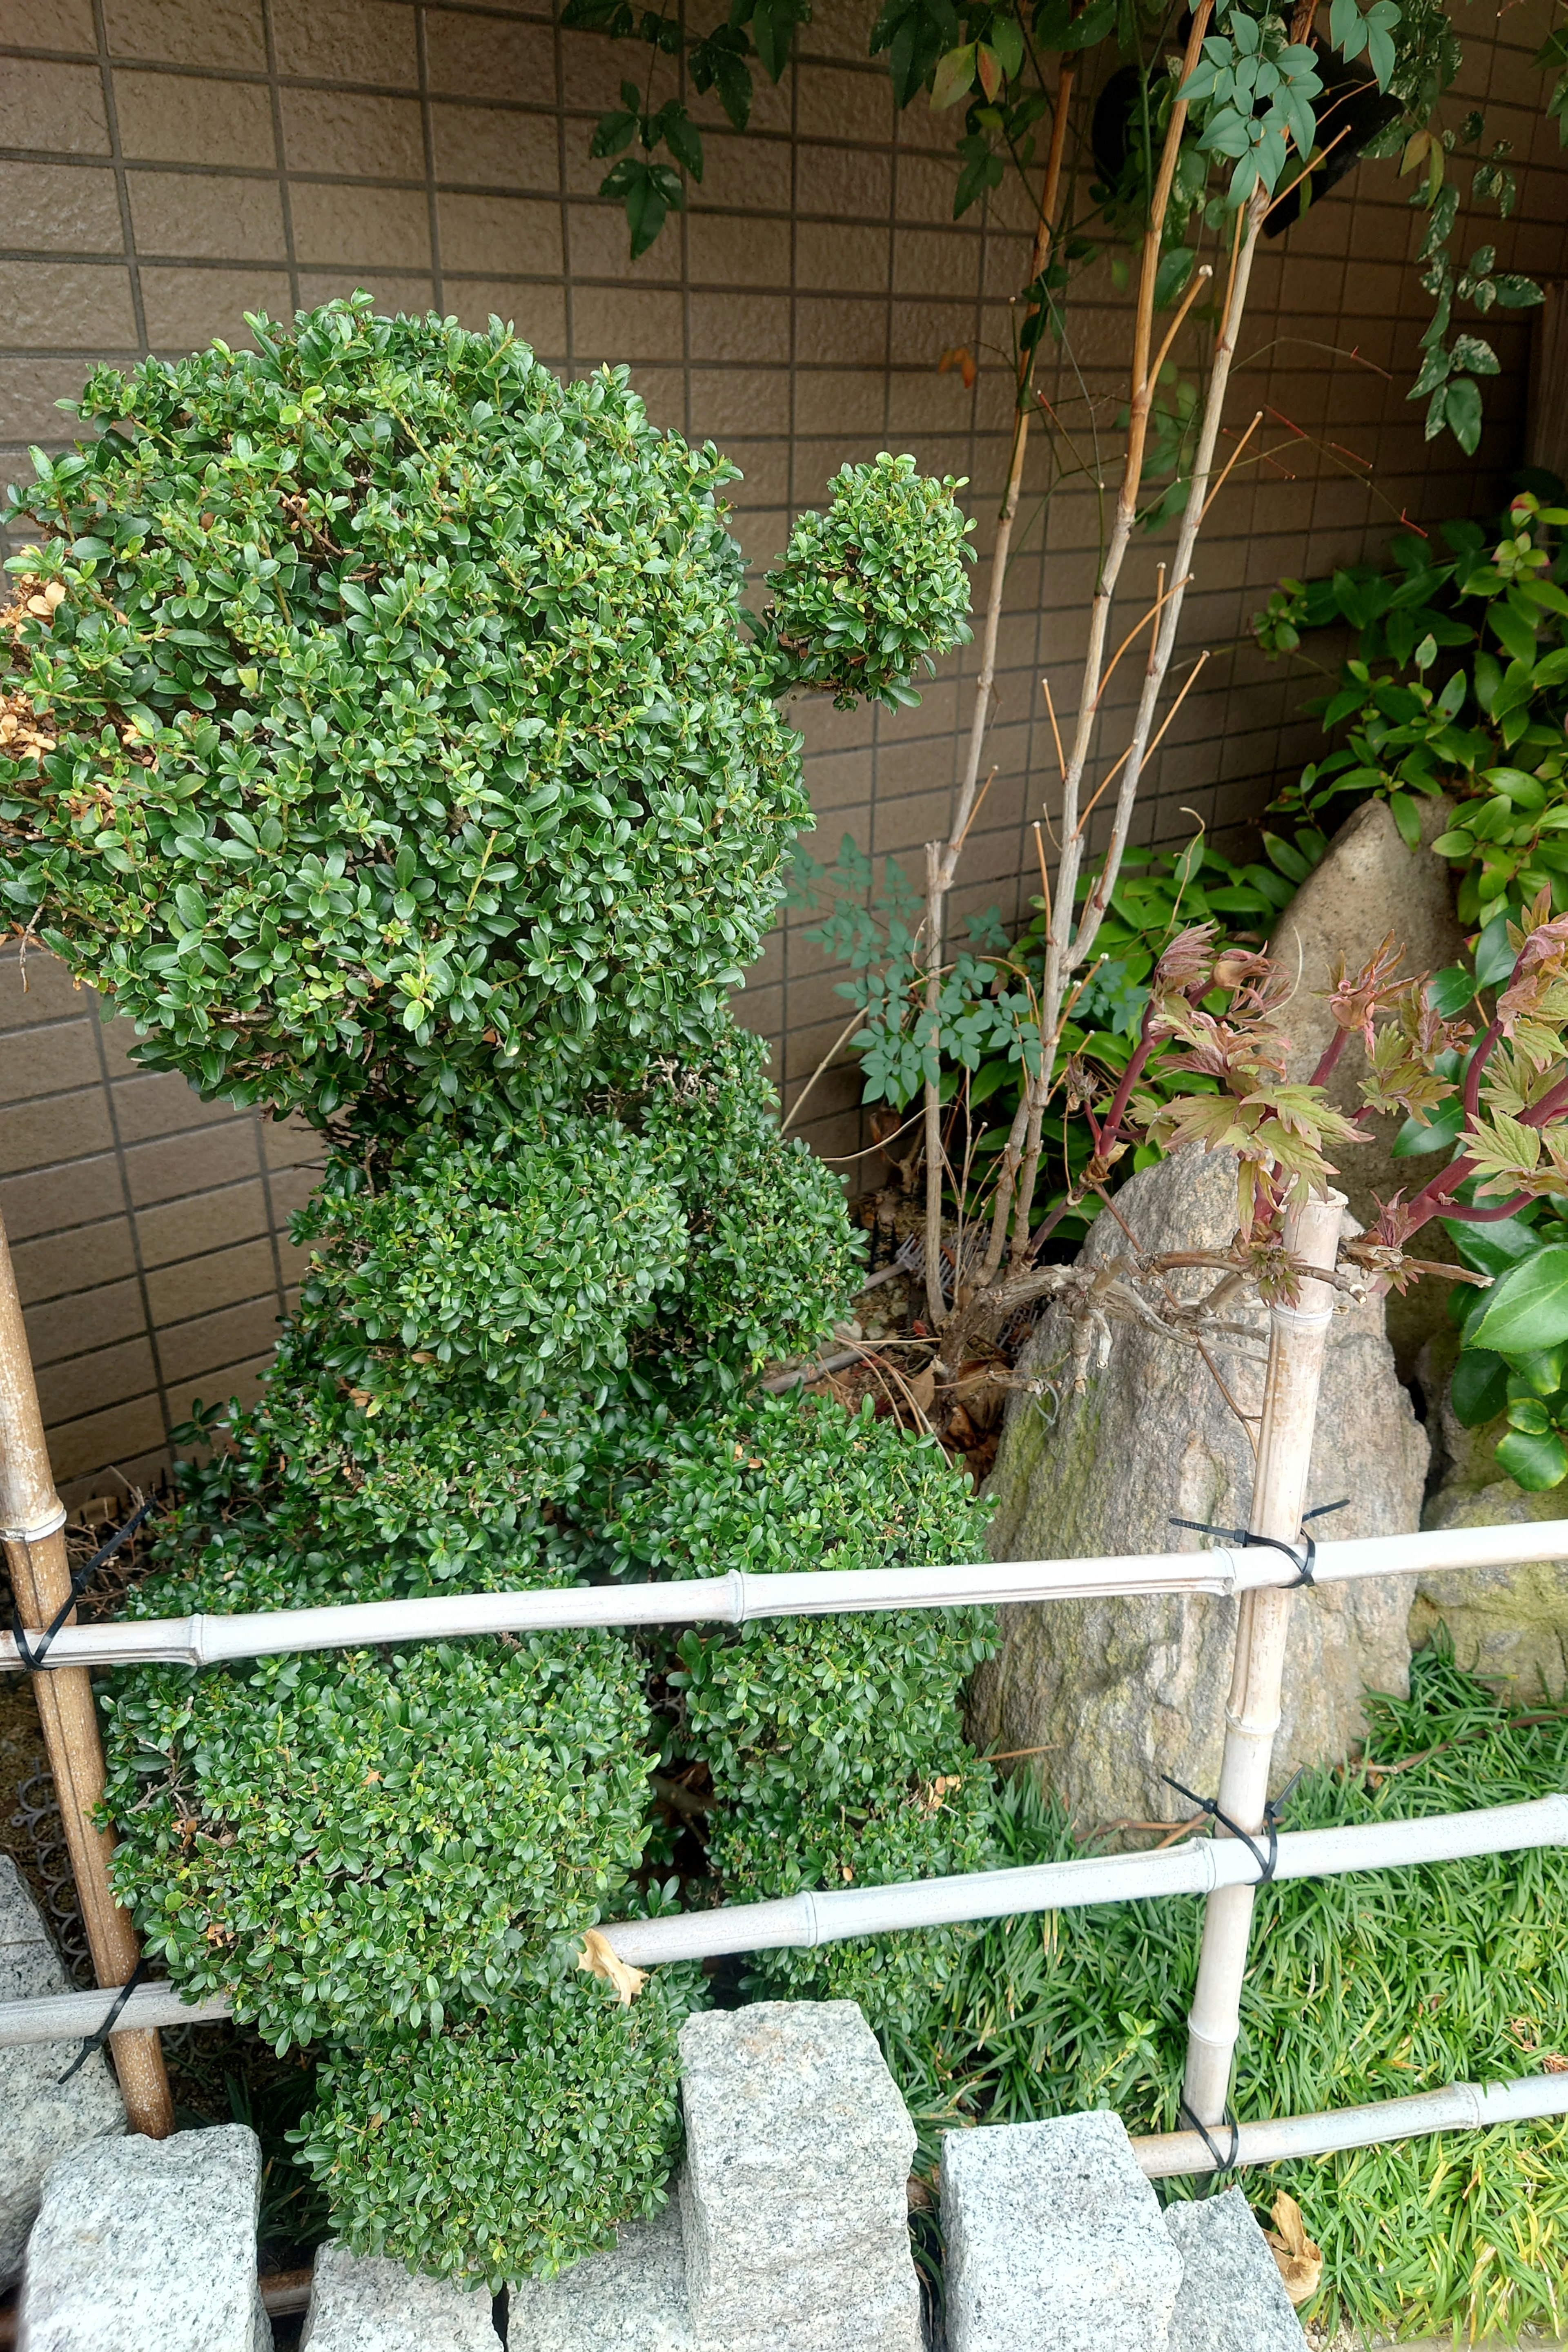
(1479, 1061)
(1332, 1052)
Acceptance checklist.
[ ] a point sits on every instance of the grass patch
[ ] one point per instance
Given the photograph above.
(1364, 1988)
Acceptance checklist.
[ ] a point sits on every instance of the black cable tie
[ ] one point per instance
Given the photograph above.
(1210, 1805)
(1303, 1561)
(96, 2041)
(37, 1661)
(1222, 2164)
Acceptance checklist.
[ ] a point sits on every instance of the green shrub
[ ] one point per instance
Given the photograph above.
(507, 2145)
(406, 717)
(834, 1744)
(441, 1811)
(872, 587)
(1375, 1986)
(407, 760)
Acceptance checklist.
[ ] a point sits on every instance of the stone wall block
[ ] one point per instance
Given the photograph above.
(1232, 2297)
(149, 2245)
(1055, 2241)
(795, 2197)
(41, 2118)
(366, 2304)
(631, 2299)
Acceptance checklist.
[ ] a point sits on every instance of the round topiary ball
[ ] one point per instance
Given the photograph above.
(388, 711)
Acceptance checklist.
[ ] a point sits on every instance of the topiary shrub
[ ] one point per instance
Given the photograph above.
(393, 748)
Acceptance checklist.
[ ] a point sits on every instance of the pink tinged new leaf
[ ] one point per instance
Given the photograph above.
(954, 75)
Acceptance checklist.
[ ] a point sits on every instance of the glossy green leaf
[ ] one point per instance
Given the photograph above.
(1479, 1388)
(1528, 1310)
(1536, 1464)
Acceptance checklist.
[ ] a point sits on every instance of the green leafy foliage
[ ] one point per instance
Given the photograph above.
(1364, 1988)
(504, 2147)
(1459, 684)
(398, 752)
(986, 1038)
(380, 648)
(873, 587)
(1514, 1354)
(445, 1811)
(835, 1746)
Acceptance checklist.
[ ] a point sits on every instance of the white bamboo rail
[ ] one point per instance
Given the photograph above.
(741, 1597)
(1196, 1867)
(1461, 2106)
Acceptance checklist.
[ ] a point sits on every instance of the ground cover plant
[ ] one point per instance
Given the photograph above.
(387, 740)
(1371, 1987)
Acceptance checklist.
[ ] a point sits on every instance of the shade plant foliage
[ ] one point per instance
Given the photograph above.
(391, 745)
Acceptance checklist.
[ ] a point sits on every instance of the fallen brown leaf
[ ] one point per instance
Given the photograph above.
(600, 1957)
(922, 1388)
(1301, 2262)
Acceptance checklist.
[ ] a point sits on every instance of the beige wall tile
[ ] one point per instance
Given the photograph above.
(845, 182)
(186, 213)
(179, 119)
(47, 24)
(368, 138)
(841, 103)
(389, 227)
(53, 207)
(483, 57)
(219, 33)
(498, 234)
(347, 41)
(749, 175)
(187, 308)
(74, 306)
(47, 105)
(842, 260)
(727, 251)
(499, 147)
(740, 327)
(616, 323)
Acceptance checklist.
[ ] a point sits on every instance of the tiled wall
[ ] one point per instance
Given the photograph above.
(166, 164)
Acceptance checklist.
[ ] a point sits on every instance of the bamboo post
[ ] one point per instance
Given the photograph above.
(34, 1533)
(1297, 1338)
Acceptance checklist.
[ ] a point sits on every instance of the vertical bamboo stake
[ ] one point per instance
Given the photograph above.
(1297, 1338)
(34, 1524)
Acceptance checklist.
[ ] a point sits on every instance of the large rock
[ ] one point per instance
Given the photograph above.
(1120, 1691)
(149, 2245)
(1368, 885)
(366, 2304)
(41, 2118)
(1054, 2240)
(1233, 2298)
(794, 2196)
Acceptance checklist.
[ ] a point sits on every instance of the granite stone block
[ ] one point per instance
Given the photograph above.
(631, 2299)
(149, 2245)
(794, 2199)
(41, 2118)
(1232, 2296)
(370, 2304)
(1055, 2241)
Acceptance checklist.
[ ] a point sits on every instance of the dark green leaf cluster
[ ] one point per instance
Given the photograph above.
(872, 588)
(340, 1841)
(770, 1257)
(507, 2147)
(835, 1745)
(404, 718)
(1513, 1363)
(509, 1259)
(1459, 684)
